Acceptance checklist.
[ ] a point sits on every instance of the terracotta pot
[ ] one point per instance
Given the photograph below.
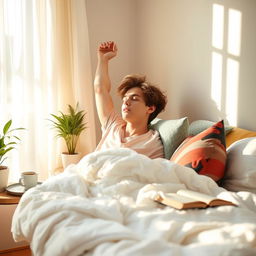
(68, 159)
(4, 174)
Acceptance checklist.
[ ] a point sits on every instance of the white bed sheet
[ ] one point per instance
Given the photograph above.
(104, 206)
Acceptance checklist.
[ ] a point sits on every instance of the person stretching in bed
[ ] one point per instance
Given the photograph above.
(142, 102)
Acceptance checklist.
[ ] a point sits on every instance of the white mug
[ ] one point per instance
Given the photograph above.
(28, 179)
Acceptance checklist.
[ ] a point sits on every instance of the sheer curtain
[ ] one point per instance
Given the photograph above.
(44, 65)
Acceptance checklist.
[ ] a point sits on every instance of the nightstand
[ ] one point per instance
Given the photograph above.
(8, 204)
(6, 198)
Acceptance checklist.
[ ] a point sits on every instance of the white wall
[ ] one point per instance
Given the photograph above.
(174, 40)
(171, 42)
(113, 20)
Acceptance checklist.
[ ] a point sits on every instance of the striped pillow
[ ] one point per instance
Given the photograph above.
(205, 152)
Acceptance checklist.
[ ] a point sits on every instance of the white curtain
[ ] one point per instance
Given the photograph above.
(44, 65)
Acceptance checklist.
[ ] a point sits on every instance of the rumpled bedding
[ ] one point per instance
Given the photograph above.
(104, 206)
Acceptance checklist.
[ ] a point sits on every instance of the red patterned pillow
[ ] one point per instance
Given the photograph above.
(205, 152)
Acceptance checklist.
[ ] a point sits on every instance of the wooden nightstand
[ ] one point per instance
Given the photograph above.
(8, 204)
(6, 198)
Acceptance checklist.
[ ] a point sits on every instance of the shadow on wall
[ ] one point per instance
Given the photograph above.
(197, 102)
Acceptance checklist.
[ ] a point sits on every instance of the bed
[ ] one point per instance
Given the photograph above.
(105, 205)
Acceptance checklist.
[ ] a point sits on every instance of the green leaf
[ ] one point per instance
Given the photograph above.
(7, 126)
(7, 140)
(16, 129)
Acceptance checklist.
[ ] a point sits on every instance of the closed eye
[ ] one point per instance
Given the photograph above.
(133, 97)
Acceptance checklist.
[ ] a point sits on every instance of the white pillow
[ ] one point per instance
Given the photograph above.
(241, 166)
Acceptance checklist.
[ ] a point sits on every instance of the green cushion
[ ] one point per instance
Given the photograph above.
(172, 133)
(201, 125)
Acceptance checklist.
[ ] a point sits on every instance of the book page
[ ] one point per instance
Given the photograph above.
(178, 201)
(196, 195)
(180, 198)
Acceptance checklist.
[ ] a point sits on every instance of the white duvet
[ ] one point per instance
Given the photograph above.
(104, 206)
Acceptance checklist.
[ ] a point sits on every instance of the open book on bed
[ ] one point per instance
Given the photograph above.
(187, 199)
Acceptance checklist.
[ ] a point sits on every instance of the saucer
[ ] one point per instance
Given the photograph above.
(17, 189)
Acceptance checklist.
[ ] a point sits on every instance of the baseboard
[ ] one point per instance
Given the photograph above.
(15, 249)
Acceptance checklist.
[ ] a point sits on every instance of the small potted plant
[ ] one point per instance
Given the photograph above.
(69, 127)
(7, 143)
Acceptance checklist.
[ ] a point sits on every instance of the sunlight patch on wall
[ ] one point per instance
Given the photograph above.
(225, 63)
(217, 59)
(234, 32)
(217, 26)
(232, 77)
(232, 91)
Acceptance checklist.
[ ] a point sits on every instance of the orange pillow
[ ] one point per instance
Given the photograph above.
(205, 152)
(238, 134)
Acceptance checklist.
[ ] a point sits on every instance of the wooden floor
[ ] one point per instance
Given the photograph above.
(21, 252)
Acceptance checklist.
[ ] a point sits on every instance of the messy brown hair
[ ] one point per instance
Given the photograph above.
(153, 96)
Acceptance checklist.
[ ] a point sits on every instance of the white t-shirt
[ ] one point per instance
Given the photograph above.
(113, 136)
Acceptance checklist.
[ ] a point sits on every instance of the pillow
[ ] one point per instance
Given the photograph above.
(201, 125)
(238, 134)
(172, 133)
(241, 166)
(205, 152)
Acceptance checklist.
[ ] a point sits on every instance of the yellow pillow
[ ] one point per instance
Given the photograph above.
(238, 134)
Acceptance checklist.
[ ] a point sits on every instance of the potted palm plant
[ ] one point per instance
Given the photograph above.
(69, 127)
(8, 142)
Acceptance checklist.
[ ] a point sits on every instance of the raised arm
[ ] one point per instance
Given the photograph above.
(102, 84)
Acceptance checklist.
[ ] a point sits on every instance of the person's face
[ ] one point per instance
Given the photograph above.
(134, 108)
